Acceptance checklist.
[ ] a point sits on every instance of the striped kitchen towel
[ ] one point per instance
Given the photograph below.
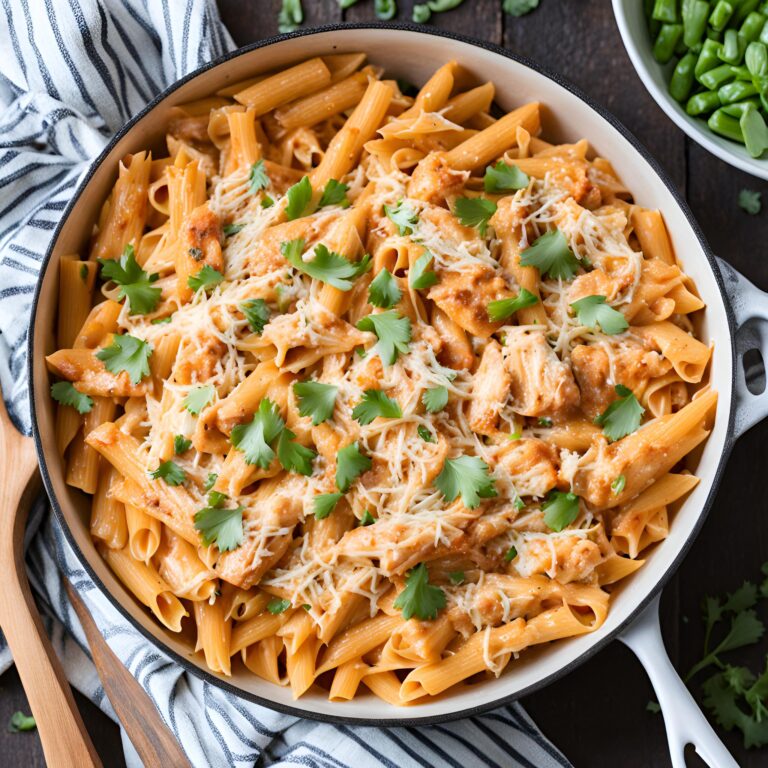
(71, 73)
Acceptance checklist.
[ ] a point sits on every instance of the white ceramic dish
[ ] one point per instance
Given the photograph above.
(567, 116)
(631, 21)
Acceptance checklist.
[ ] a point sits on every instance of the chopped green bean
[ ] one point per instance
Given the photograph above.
(682, 78)
(708, 58)
(665, 10)
(733, 48)
(755, 132)
(756, 59)
(702, 103)
(743, 9)
(724, 125)
(720, 15)
(695, 17)
(664, 47)
(737, 110)
(752, 26)
(717, 77)
(737, 91)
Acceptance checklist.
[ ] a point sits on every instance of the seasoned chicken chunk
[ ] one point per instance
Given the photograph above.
(531, 465)
(490, 388)
(199, 245)
(433, 180)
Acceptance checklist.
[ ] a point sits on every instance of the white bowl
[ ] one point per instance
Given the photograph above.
(633, 28)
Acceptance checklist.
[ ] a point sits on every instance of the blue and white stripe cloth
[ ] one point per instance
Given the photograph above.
(71, 73)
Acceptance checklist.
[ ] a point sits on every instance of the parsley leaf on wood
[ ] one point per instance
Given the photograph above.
(501, 309)
(20, 722)
(207, 278)
(169, 471)
(560, 510)
(198, 398)
(502, 178)
(326, 266)
(316, 399)
(127, 353)
(519, 7)
(551, 255)
(467, 476)
(350, 464)
(64, 392)
(622, 416)
(750, 201)
(392, 331)
(384, 291)
(593, 312)
(256, 314)
(254, 438)
(299, 199)
(474, 212)
(385, 9)
(258, 178)
(135, 284)
(335, 193)
(420, 275)
(222, 527)
(324, 504)
(293, 456)
(420, 598)
(402, 216)
(435, 399)
(375, 403)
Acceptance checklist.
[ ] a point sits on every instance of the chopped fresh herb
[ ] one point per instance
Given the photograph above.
(510, 555)
(258, 178)
(519, 504)
(350, 464)
(84, 272)
(519, 7)
(501, 309)
(216, 499)
(293, 456)
(367, 519)
(467, 476)
(384, 291)
(617, 486)
(277, 605)
(127, 353)
(515, 435)
(560, 510)
(420, 275)
(374, 404)
(64, 392)
(593, 312)
(307, 607)
(456, 577)
(385, 9)
(421, 13)
(20, 722)
(435, 399)
(267, 201)
(324, 504)
(198, 398)
(210, 481)
(135, 284)
(335, 193)
(622, 416)
(169, 471)
(420, 598)
(543, 421)
(232, 229)
(254, 439)
(181, 444)
(222, 527)
(392, 331)
(403, 217)
(653, 707)
(503, 178)
(551, 255)
(474, 212)
(196, 253)
(207, 278)
(290, 16)
(326, 266)
(425, 434)
(299, 199)
(256, 313)
(316, 400)
(750, 201)
(161, 320)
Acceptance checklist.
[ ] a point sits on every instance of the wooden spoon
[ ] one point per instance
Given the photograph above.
(65, 741)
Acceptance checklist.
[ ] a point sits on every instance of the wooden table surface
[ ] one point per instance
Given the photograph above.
(597, 714)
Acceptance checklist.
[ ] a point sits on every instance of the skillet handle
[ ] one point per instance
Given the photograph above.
(684, 721)
(750, 307)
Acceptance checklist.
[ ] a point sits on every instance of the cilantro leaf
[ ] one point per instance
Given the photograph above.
(384, 291)
(560, 510)
(162, 320)
(169, 471)
(198, 398)
(324, 504)
(721, 699)
(467, 476)
(502, 178)
(593, 312)
(127, 353)
(299, 199)
(316, 399)
(510, 555)
(749, 201)
(210, 481)
(258, 177)
(290, 16)
(456, 577)
(293, 456)
(335, 193)
(350, 464)
(617, 486)
(216, 499)
(744, 597)
(20, 722)
(267, 202)
(181, 444)
(474, 212)
(375, 403)
(207, 278)
(222, 527)
(367, 519)
(232, 229)
(519, 7)
(403, 217)
(420, 275)
(622, 416)
(135, 284)
(425, 434)
(435, 399)
(501, 309)
(256, 314)
(278, 605)
(420, 598)
(326, 266)
(392, 331)
(385, 9)
(254, 438)
(64, 392)
(551, 255)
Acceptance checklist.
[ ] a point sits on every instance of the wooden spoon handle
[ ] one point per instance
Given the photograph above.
(155, 744)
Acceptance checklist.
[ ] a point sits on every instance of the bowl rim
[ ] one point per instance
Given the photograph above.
(689, 125)
(599, 644)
